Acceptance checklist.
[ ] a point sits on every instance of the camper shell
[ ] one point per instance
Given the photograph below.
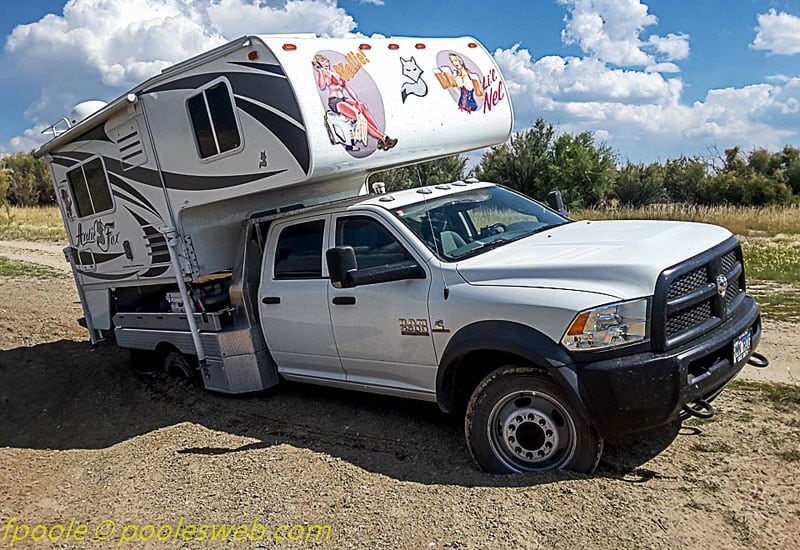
(248, 128)
(163, 180)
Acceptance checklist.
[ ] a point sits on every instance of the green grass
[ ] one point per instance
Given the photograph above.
(31, 224)
(13, 268)
(713, 447)
(785, 395)
(777, 303)
(774, 260)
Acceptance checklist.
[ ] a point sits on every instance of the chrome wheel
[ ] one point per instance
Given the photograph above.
(530, 430)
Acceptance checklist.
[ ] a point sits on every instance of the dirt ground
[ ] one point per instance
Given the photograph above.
(82, 436)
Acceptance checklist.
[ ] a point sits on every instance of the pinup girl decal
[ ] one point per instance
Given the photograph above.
(462, 81)
(343, 101)
(466, 100)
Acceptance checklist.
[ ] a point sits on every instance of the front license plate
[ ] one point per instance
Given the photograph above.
(742, 346)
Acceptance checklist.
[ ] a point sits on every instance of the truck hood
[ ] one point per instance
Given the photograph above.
(621, 259)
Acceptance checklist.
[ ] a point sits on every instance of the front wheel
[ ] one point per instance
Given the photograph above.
(519, 421)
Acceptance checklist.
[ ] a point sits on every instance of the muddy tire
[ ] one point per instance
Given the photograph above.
(145, 362)
(178, 365)
(520, 421)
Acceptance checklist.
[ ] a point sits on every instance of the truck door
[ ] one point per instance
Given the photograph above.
(293, 300)
(382, 330)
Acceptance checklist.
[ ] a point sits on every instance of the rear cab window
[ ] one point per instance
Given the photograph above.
(298, 253)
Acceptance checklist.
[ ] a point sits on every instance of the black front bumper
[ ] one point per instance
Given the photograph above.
(639, 392)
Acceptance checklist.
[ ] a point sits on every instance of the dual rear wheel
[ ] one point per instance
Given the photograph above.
(172, 362)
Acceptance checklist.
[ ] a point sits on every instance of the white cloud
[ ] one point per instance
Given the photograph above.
(778, 33)
(609, 29)
(642, 113)
(663, 68)
(100, 48)
(674, 46)
(373, 2)
(232, 18)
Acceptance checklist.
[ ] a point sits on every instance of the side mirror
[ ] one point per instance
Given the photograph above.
(555, 202)
(341, 261)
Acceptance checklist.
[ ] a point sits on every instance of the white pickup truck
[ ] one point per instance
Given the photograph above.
(552, 334)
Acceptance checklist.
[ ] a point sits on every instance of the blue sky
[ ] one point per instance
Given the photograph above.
(654, 79)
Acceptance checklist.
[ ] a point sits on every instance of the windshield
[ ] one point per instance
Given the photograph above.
(471, 222)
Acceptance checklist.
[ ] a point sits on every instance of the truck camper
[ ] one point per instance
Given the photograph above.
(219, 224)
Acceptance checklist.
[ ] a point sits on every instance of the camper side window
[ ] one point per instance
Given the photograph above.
(214, 121)
(89, 187)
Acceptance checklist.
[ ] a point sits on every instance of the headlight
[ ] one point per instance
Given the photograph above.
(608, 326)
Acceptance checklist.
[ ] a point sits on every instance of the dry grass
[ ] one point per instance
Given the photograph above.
(739, 220)
(31, 224)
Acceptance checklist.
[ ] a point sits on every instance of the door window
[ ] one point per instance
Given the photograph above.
(373, 244)
(298, 254)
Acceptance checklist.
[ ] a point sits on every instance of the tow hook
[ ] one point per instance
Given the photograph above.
(758, 360)
(699, 408)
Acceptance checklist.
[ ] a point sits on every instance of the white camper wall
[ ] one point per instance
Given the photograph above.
(410, 87)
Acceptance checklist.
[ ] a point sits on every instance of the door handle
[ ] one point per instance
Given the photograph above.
(344, 301)
(270, 300)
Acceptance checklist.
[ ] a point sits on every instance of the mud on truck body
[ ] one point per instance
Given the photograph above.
(220, 227)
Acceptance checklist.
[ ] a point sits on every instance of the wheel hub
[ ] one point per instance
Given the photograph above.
(529, 435)
(531, 431)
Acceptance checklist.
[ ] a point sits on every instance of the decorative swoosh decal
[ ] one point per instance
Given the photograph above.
(290, 135)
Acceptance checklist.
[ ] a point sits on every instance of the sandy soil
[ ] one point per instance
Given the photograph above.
(82, 436)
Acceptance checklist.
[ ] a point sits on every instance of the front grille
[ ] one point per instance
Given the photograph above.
(690, 282)
(688, 318)
(688, 299)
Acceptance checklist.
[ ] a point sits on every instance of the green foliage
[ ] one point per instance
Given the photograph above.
(537, 161)
(5, 185)
(432, 172)
(29, 182)
(638, 185)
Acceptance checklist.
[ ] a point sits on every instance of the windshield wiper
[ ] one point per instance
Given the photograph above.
(483, 247)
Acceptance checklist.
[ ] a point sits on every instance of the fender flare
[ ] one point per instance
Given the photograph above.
(509, 337)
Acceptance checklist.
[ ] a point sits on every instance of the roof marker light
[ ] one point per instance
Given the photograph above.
(289, 47)
(364, 47)
(472, 45)
(252, 55)
(419, 46)
(394, 46)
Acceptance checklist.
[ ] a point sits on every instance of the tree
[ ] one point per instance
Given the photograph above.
(30, 182)
(523, 163)
(5, 185)
(432, 172)
(684, 178)
(536, 161)
(583, 171)
(638, 185)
